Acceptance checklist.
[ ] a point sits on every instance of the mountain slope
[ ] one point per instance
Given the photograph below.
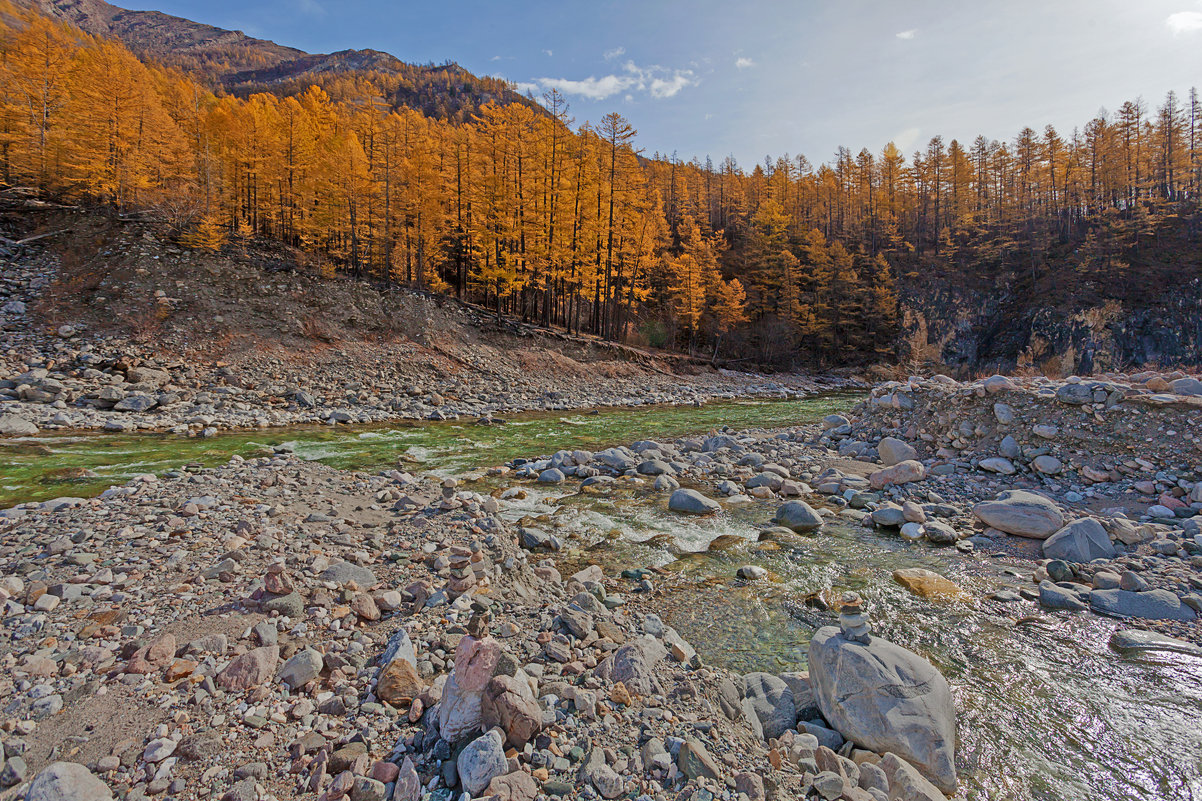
(242, 64)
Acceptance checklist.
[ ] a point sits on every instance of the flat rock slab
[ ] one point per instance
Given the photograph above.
(1150, 605)
(1138, 641)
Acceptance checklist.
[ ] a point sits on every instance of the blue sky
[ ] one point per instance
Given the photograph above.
(765, 77)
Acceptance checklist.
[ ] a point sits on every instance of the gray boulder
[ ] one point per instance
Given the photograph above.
(343, 573)
(632, 664)
(1150, 605)
(886, 698)
(1053, 596)
(1186, 386)
(13, 426)
(692, 502)
(1138, 640)
(1075, 394)
(772, 701)
(1022, 513)
(552, 476)
(798, 516)
(893, 450)
(1082, 540)
(67, 781)
(480, 762)
(302, 668)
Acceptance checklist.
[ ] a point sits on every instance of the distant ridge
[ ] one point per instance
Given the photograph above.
(242, 64)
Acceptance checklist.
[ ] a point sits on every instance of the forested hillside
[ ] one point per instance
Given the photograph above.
(231, 61)
(950, 254)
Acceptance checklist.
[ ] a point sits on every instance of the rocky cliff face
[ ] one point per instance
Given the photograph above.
(967, 330)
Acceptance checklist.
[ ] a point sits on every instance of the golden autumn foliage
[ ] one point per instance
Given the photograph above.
(514, 208)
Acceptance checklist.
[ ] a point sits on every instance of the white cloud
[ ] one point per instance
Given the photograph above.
(590, 87)
(524, 86)
(659, 82)
(661, 87)
(910, 34)
(547, 52)
(617, 52)
(743, 63)
(1184, 22)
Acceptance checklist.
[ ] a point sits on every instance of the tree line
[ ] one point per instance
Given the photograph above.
(520, 209)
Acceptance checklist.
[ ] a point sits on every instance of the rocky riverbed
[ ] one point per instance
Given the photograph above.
(275, 628)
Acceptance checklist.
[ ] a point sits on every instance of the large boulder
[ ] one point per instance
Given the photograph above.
(250, 669)
(900, 473)
(13, 426)
(510, 704)
(798, 516)
(893, 450)
(692, 502)
(1150, 605)
(1022, 513)
(1082, 540)
(1186, 386)
(772, 700)
(886, 698)
(67, 781)
(632, 665)
(906, 783)
(460, 712)
(480, 762)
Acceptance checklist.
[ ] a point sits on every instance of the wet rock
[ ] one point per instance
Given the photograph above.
(692, 502)
(798, 516)
(1138, 640)
(929, 584)
(1053, 596)
(1150, 605)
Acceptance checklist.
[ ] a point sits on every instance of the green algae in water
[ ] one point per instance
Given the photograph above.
(30, 467)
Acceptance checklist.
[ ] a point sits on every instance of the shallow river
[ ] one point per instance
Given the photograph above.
(1046, 710)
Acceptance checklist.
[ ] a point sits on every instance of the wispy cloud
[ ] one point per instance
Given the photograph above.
(744, 63)
(656, 81)
(617, 52)
(311, 8)
(1184, 22)
(910, 34)
(547, 52)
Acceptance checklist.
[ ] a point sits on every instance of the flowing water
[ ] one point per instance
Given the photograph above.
(1046, 710)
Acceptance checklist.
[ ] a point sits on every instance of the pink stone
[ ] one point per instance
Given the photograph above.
(475, 661)
(251, 669)
(384, 771)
